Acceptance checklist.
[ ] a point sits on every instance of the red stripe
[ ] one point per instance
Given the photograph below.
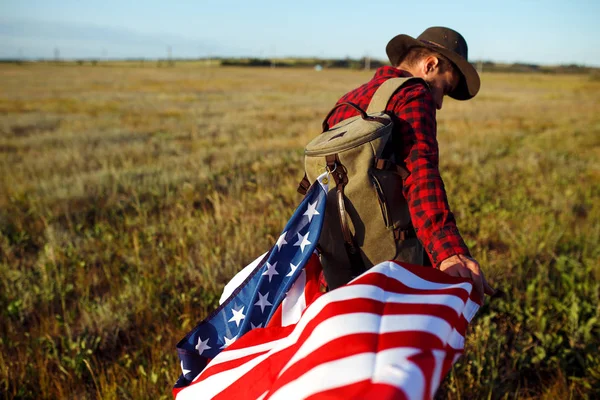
(394, 286)
(226, 366)
(252, 338)
(313, 271)
(361, 390)
(435, 275)
(276, 319)
(462, 325)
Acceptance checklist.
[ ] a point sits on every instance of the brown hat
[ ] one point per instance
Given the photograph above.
(448, 43)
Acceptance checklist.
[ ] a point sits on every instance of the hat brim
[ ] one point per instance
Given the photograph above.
(469, 83)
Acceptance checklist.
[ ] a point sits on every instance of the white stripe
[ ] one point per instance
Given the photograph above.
(402, 275)
(355, 323)
(295, 302)
(470, 310)
(234, 354)
(389, 367)
(456, 340)
(393, 368)
(448, 300)
(326, 376)
(436, 376)
(239, 278)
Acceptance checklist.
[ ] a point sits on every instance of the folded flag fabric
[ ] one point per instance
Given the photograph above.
(263, 287)
(392, 333)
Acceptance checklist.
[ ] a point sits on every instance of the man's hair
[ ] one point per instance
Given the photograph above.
(414, 54)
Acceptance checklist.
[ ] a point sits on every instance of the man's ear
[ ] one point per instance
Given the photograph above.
(430, 63)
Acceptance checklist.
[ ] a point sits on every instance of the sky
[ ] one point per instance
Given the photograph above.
(541, 32)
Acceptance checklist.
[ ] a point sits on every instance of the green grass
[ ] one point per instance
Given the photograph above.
(130, 195)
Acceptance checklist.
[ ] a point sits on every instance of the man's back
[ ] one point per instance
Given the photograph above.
(412, 108)
(439, 56)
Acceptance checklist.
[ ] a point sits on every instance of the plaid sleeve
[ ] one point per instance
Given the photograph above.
(424, 189)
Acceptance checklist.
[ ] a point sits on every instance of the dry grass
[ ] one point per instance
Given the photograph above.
(129, 195)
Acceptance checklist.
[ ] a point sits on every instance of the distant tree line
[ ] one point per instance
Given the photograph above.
(490, 66)
(300, 62)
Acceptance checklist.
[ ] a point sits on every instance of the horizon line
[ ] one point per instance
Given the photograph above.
(206, 58)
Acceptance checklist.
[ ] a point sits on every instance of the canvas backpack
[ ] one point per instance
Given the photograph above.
(367, 219)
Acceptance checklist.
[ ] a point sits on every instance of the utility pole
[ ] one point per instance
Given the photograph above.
(367, 63)
(56, 54)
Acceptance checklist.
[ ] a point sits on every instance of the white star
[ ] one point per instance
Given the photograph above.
(185, 371)
(238, 316)
(271, 270)
(311, 211)
(252, 326)
(262, 302)
(302, 241)
(281, 241)
(293, 269)
(202, 345)
(228, 341)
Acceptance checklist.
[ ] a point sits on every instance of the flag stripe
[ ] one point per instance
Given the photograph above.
(235, 353)
(239, 278)
(294, 302)
(415, 277)
(365, 389)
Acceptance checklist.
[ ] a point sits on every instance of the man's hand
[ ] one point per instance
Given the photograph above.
(466, 267)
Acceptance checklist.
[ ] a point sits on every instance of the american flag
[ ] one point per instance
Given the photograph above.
(392, 333)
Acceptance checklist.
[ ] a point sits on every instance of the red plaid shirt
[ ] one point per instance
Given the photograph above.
(414, 123)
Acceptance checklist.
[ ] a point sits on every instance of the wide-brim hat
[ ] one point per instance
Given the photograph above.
(448, 43)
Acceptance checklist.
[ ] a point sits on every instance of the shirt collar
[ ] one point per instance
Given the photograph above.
(390, 72)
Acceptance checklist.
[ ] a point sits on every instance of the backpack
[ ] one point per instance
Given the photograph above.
(367, 219)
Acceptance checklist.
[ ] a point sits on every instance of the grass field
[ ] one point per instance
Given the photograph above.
(130, 195)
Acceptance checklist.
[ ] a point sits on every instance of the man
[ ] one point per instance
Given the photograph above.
(439, 57)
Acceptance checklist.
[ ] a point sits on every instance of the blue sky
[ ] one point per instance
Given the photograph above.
(543, 32)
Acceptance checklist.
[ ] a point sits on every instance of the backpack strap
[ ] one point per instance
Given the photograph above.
(304, 185)
(385, 92)
(383, 164)
(340, 176)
